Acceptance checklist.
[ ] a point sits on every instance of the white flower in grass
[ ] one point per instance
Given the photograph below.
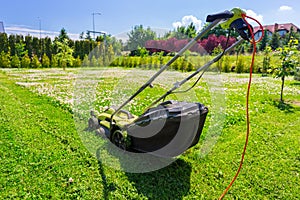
(71, 180)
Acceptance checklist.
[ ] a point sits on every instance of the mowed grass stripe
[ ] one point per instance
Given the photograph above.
(40, 149)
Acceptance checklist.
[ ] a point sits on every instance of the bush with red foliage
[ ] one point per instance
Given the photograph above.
(201, 47)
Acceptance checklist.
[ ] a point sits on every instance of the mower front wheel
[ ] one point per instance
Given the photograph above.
(102, 131)
(119, 140)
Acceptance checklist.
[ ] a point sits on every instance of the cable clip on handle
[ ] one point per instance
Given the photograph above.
(234, 20)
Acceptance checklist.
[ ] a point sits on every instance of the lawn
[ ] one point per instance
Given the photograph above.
(45, 153)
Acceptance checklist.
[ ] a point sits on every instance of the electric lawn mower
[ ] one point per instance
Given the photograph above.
(169, 128)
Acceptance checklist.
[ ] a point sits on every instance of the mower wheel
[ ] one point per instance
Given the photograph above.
(102, 131)
(118, 139)
(93, 123)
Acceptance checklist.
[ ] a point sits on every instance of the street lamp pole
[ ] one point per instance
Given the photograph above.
(94, 22)
(41, 45)
(40, 27)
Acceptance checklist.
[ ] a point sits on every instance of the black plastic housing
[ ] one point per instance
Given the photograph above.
(168, 129)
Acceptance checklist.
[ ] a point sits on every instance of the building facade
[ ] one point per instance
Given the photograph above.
(282, 29)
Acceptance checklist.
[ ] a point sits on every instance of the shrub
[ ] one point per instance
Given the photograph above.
(115, 63)
(93, 62)
(138, 61)
(54, 61)
(100, 61)
(240, 66)
(77, 62)
(226, 64)
(155, 62)
(35, 63)
(149, 62)
(4, 60)
(266, 60)
(45, 61)
(15, 62)
(86, 61)
(190, 67)
(134, 62)
(175, 65)
(25, 62)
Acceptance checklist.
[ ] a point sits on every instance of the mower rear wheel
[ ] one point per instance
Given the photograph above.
(118, 139)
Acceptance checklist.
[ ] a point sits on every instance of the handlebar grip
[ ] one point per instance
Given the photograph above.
(223, 15)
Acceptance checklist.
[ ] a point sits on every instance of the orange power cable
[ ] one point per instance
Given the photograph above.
(247, 101)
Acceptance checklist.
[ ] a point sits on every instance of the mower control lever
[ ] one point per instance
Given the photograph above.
(242, 28)
(223, 15)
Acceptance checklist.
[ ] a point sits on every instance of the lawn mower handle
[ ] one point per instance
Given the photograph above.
(180, 53)
(217, 18)
(203, 68)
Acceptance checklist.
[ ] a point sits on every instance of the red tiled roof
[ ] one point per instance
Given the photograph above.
(272, 28)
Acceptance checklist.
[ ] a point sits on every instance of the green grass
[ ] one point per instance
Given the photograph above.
(41, 148)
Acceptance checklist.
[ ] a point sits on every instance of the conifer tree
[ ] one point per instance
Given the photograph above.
(45, 61)
(35, 63)
(4, 60)
(275, 41)
(4, 42)
(25, 62)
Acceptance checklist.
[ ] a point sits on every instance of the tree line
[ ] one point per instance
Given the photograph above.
(28, 51)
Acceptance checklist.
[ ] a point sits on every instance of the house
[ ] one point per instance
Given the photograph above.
(2, 27)
(282, 29)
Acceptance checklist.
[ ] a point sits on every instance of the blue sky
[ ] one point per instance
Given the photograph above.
(119, 16)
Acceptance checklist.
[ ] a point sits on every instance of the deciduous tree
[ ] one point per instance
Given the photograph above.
(289, 60)
(64, 54)
(138, 36)
(20, 49)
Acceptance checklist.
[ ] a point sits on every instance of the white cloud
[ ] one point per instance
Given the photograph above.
(187, 20)
(254, 15)
(285, 8)
(23, 30)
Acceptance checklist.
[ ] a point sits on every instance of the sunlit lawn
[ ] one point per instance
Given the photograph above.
(41, 148)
